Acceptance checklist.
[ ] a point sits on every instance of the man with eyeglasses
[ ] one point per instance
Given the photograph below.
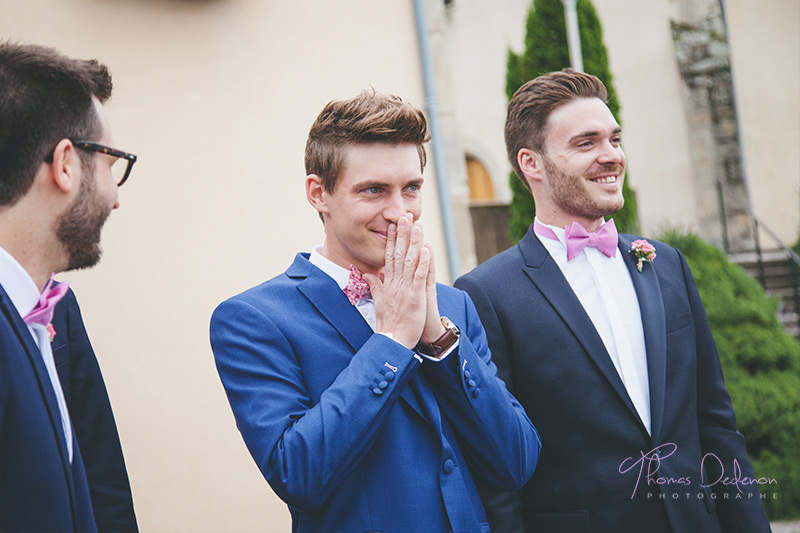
(61, 463)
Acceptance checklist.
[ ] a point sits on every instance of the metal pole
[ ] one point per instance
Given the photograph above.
(573, 34)
(437, 142)
(723, 217)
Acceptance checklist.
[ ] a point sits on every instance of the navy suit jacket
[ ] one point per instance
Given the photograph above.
(348, 428)
(92, 420)
(39, 489)
(548, 351)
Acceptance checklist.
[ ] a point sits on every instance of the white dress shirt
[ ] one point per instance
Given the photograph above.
(605, 289)
(25, 295)
(365, 306)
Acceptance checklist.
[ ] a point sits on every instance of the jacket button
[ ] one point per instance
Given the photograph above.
(448, 466)
(389, 375)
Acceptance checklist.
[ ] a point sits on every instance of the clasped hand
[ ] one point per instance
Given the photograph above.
(405, 299)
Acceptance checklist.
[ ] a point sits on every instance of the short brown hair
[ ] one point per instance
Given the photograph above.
(44, 97)
(370, 117)
(534, 102)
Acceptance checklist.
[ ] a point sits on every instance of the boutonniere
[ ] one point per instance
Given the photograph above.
(51, 331)
(643, 251)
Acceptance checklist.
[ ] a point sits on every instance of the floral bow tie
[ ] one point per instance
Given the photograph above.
(357, 287)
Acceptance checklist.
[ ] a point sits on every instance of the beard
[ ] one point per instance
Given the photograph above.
(79, 228)
(572, 195)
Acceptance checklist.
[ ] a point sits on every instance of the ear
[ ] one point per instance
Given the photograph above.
(66, 167)
(315, 193)
(531, 163)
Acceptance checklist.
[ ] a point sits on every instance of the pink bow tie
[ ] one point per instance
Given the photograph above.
(357, 287)
(43, 312)
(604, 239)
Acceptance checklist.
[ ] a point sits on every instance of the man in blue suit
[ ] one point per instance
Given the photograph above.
(364, 391)
(57, 188)
(606, 345)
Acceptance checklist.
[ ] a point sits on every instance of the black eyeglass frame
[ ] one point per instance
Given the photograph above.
(103, 149)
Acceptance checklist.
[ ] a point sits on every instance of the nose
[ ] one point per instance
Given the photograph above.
(612, 153)
(394, 207)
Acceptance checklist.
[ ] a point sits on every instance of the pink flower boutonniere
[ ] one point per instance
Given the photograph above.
(51, 331)
(643, 251)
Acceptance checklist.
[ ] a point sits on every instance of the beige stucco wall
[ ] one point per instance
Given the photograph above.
(216, 98)
(765, 46)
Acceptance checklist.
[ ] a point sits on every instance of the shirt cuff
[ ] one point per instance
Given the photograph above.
(441, 357)
(416, 355)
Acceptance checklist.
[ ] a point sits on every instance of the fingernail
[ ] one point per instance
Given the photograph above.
(402, 223)
(392, 228)
(416, 231)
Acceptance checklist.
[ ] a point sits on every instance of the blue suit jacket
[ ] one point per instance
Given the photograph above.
(553, 359)
(348, 428)
(39, 489)
(92, 420)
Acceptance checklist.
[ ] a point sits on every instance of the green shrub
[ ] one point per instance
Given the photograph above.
(546, 50)
(761, 364)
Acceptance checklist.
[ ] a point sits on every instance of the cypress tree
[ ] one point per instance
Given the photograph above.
(546, 50)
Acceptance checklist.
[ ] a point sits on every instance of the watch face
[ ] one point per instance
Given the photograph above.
(449, 325)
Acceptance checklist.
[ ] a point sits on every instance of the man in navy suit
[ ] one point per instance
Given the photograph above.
(604, 340)
(92, 420)
(364, 391)
(58, 185)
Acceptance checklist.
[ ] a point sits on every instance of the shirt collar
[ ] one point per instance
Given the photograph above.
(18, 284)
(560, 233)
(339, 274)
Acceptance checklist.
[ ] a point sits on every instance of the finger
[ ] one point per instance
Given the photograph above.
(401, 244)
(431, 281)
(375, 289)
(421, 272)
(391, 237)
(412, 255)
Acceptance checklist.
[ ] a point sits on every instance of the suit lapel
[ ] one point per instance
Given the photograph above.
(34, 356)
(325, 295)
(651, 304)
(544, 272)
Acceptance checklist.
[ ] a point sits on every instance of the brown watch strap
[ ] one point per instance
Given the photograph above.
(443, 343)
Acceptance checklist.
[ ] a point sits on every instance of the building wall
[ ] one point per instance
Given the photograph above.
(216, 98)
(765, 61)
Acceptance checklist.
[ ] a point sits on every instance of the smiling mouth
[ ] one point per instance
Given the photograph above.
(604, 179)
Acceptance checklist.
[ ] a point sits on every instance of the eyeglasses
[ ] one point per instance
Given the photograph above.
(119, 172)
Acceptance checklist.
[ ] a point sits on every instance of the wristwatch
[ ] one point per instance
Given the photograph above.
(443, 343)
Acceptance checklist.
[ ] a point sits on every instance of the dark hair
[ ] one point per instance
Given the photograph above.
(370, 117)
(534, 102)
(44, 97)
